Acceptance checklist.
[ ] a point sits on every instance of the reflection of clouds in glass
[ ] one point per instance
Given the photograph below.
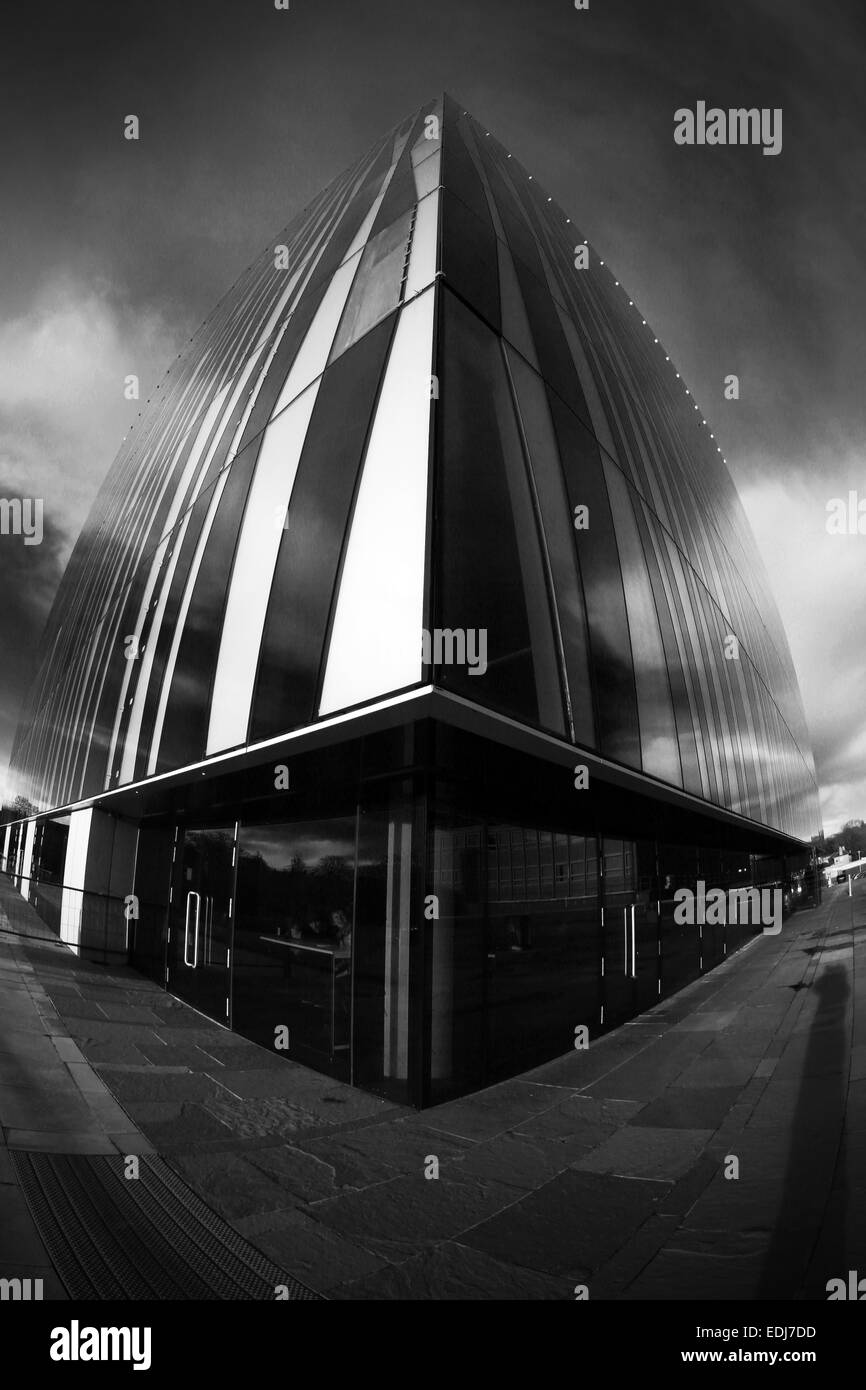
(817, 578)
(311, 842)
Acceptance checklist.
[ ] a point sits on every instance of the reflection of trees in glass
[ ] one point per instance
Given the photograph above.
(304, 894)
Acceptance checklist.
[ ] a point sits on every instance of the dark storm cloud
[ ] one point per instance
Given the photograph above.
(31, 573)
(742, 263)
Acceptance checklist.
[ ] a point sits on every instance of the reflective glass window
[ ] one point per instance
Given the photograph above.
(376, 288)
(266, 516)
(557, 527)
(310, 549)
(469, 257)
(598, 558)
(658, 736)
(489, 573)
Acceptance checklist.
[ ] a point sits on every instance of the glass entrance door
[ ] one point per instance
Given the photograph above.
(293, 939)
(618, 931)
(631, 930)
(199, 939)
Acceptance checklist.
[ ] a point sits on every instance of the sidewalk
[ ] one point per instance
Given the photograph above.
(604, 1168)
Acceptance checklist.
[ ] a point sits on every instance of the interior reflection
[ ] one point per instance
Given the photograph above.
(293, 937)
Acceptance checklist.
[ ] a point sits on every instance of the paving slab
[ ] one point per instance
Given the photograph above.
(452, 1272)
(412, 1211)
(648, 1152)
(570, 1226)
(316, 1170)
(688, 1108)
(492, 1111)
(604, 1166)
(313, 1253)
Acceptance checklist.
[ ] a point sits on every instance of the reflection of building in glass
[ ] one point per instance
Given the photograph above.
(423, 416)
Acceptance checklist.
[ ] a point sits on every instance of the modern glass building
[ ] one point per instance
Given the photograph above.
(416, 649)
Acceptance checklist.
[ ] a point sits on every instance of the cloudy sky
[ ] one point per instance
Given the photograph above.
(113, 251)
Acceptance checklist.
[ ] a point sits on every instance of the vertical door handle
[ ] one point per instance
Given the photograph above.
(197, 922)
(186, 960)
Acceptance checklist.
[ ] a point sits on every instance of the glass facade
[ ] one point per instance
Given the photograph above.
(418, 380)
(423, 914)
(420, 455)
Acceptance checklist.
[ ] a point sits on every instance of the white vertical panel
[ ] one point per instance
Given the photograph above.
(253, 572)
(27, 863)
(6, 840)
(313, 354)
(422, 261)
(376, 639)
(73, 876)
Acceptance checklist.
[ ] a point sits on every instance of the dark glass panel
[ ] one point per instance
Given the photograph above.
(519, 235)
(598, 558)
(489, 574)
(711, 934)
(454, 955)
(469, 260)
(49, 864)
(200, 913)
(554, 357)
(515, 324)
(459, 173)
(691, 776)
(184, 731)
(542, 950)
(153, 860)
(556, 522)
(293, 938)
(14, 845)
(680, 945)
(659, 750)
(618, 886)
(384, 941)
(307, 564)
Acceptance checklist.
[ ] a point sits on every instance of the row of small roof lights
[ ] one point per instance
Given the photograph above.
(632, 305)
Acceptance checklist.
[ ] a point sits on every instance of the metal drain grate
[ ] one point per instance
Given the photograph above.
(149, 1237)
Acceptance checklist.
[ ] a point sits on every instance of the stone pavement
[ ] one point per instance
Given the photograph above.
(605, 1168)
(51, 1100)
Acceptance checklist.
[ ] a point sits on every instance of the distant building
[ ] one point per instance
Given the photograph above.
(427, 422)
(841, 866)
